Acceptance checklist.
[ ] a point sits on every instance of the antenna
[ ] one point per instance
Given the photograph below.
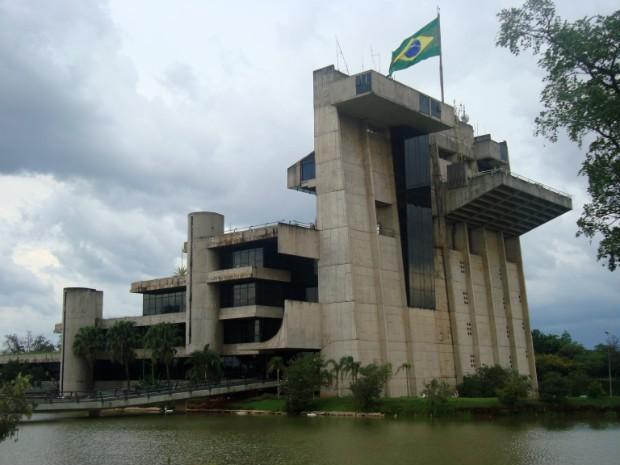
(372, 58)
(344, 60)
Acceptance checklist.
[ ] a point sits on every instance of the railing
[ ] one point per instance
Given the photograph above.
(271, 224)
(505, 171)
(123, 394)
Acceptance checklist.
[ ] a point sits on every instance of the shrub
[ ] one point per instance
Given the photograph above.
(437, 394)
(554, 387)
(484, 383)
(515, 389)
(579, 382)
(368, 386)
(594, 390)
(304, 379)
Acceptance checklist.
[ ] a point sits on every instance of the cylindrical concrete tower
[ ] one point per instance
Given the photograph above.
(80, 307)
(202, 323)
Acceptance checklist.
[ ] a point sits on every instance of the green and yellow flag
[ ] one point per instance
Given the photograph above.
(423, 44)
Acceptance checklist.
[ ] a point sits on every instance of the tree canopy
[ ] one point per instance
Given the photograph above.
(13, 405)
(582, 96)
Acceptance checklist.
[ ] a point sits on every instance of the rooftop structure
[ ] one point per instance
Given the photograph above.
(414, 258)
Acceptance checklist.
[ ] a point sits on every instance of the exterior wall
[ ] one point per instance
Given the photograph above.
(81, 307)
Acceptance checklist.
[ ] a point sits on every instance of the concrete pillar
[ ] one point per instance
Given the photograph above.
(81, 307)
(202, 323)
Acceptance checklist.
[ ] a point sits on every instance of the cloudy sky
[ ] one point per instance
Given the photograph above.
(118, 117)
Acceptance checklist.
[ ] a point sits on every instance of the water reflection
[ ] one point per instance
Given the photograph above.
(221, 440)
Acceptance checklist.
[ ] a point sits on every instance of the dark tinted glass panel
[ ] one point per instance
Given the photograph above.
(413, 191)
(435, 109)
(157, 304)
(308, 168)
(424, 104)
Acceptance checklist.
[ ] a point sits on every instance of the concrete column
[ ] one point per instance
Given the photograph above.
(484, 250)
(202, 319)
(464, 247)
(81, 307)
(509, 319)
(515, 244)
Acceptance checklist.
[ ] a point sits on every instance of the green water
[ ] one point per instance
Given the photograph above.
(239, 440)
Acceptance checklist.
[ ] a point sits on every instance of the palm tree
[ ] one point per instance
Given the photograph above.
(406, 366)
(121, 343)
(339, 370)
(162, 340)
(206, 364)
(88, 341)
(181, 271)
(276, 364)
(349, 367)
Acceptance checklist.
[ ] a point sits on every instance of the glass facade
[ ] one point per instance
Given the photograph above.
(255, 293)
(169, 302)
(308, 168)
(244, 330)
(247, 257)
(412, 171)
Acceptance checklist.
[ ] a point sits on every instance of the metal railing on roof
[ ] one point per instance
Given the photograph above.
(272, 224)
(505, 171)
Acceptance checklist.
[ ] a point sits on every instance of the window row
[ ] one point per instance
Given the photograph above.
(157, 304)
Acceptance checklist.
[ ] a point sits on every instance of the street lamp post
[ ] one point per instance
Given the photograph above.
(611, 392)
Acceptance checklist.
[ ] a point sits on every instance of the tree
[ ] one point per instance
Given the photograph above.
(122, 341)
(338, 370)
(206, 365)
(515, 389)
(13, 344)
(181, 271)
(554, 387)
(437, 393)
(484, 383)
(276, 364)
(349, 367)
(88, 341)
(162, 339)
(406, 367)
(304, 378)
(582, 96)
(368, 387)
(13, 405)
(42, 344)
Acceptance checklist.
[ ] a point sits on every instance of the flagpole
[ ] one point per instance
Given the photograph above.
(440, 56)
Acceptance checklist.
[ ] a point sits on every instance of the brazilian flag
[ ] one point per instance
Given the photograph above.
(423, 44)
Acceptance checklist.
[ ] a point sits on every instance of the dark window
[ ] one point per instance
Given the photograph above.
(411, 157)
(308, 168)
(362, 83)
(169, 302)
(244, 330)
(425, 103)
(247, 257)
(435, 109)
(256, 293)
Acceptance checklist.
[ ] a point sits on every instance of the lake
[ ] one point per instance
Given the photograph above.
(271, 440)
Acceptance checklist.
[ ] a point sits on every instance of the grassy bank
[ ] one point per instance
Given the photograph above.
(416, 406)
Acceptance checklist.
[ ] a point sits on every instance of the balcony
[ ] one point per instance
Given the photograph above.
(505, 202)
(250, 311)
(248, 273)
(300, 330)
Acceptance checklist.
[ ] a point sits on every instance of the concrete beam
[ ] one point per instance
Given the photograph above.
(246, 273)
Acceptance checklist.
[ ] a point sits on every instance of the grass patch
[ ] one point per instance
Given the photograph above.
(417, 406)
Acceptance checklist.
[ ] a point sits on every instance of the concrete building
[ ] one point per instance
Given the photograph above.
(414, 258)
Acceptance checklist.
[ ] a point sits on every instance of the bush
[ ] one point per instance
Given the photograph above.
(484, 383)
(304, 379)
(554, 387)
(368, 386)
(595, 390)
(437, 394)
(515, 389)
(579, 382)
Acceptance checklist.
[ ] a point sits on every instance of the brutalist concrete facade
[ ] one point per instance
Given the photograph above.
(414, 257)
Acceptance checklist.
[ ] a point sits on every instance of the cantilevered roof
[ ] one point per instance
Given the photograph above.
(384, 102)
(506, 202)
